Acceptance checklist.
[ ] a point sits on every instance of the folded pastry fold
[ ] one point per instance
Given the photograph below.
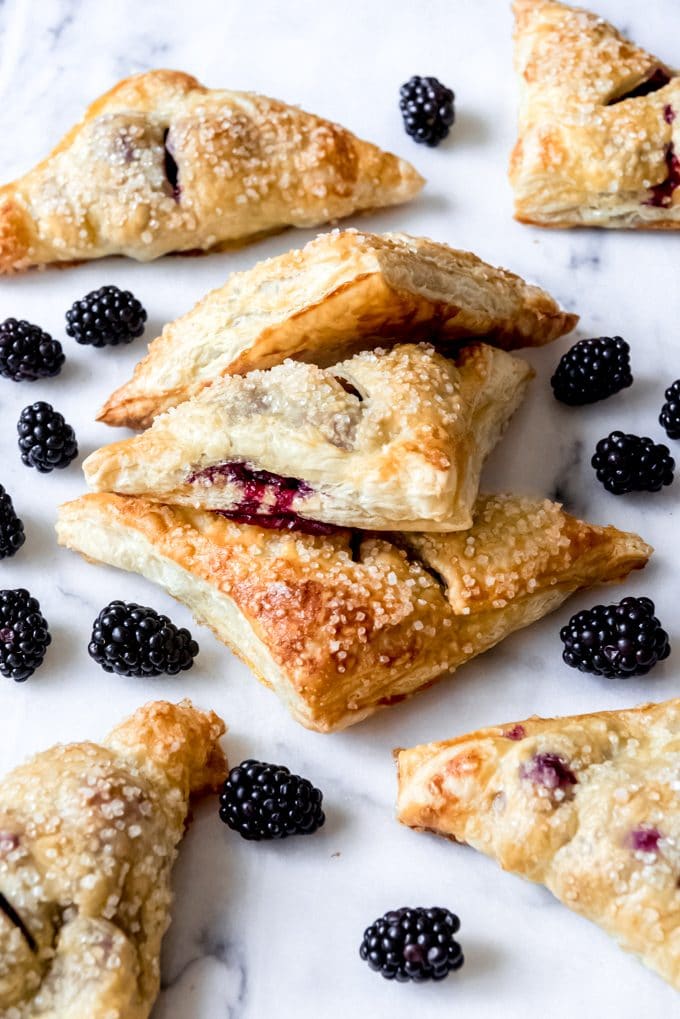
(599, 119)
(88, 836)
(388, 440)
(342, 625)
(343, 292)
(587, 805)
(160, 163)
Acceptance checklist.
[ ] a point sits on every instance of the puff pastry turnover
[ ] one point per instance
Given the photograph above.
(599, 124)
(588, 805)
(340, 626)
(88, 836)
(343, 292)
(162, 164)
(387, 440)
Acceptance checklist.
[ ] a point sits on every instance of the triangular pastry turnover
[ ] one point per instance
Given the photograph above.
(588, 805)
(599, 124)
(344, 291)
(161, 163)
(341, 625)
(88, 836)
(389, 440)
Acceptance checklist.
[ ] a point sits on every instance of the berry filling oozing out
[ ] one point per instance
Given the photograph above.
(266, 498)
(550, 771)
(171, 168)
(662, 194)
(645, 840)
(657, 80)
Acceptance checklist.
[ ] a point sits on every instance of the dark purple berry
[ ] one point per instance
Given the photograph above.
(264, 801)
(632, 463)
(413, 944)
(427, 109)
(27, 352)
(106, 317)
(619, 640)
(592, 370)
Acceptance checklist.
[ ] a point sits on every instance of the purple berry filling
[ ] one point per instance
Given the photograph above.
(659, 79)
(662, 194)
(171, 168)
(516, 733)
(645, 840)
(668, 114)
(266, 498)
(550, 771)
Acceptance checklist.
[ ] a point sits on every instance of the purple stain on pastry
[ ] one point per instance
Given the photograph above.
(516, 733)
(659, 79)
(645, 840)
(668, 113)
(550, 771)
(662, 194)
(171, 168)
(266, 498)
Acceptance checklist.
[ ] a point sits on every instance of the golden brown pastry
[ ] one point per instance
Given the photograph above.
(88, 837)
(343, 292)
(389, 440)
(599, 124)
(342, 625)
(162, 164)
(588, 805)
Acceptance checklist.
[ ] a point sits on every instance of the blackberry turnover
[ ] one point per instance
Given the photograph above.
(264, 801)
(592, 370)
(413, 944)
(632, 463)
(134, 640)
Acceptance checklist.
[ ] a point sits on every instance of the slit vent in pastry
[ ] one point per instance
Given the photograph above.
(387, 440)
(162, 164)
(587, 805)
(342, 625)
(88, 837)
(599, 124)
(343, 292)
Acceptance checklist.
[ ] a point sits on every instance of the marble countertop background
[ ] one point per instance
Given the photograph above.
(262, 930)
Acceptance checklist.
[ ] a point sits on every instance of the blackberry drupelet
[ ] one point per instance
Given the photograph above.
(592, 370)
(413, 944)
(24, 635)
(427, 109)
(12, 534)
(632, 463)
(27, 352)
(264, 801)
(134, 640)
(669, 418)
(45, 440)
(106, 317)
(615, 640)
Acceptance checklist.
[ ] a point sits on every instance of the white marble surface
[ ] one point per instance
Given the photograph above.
(263, 930)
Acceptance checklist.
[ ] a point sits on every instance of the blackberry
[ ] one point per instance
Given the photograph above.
(134, 640)
(592, 370)
(615, 640)
(24, 635)
(632, 463)
(45, 440)
(427, 109)
(264, 801)
(413, 944)
(669, 418)
(106, 317)
(12, 534)
(27, 353)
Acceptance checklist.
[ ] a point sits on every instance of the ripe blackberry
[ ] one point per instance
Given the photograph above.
(264, 801)
(632, 463)
(134, 640)
(592, 370)
(45, 440)
(24, 635)
(106, 317)
(413, 944)
(12, 534)
(615, 640)
(669, 418)
(27, 353)
(427, 109)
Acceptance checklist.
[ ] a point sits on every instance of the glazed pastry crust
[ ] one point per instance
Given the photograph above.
(88, 836)
(343, 292)
(387, 440)
(338, 626)
(161, 163)
(585, 156)
(606, 844)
